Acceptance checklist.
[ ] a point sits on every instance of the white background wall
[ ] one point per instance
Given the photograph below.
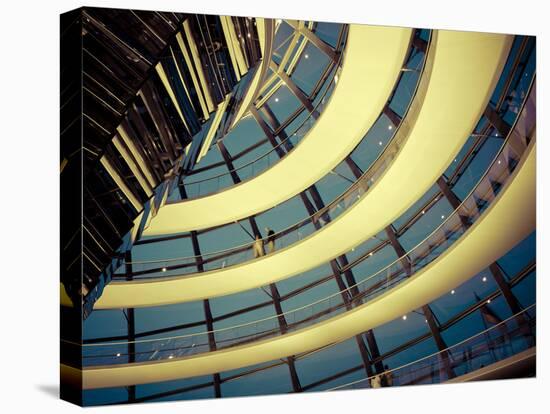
(29, 56)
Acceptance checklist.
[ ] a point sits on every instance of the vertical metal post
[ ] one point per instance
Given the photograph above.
(131, 323)
(207, 312)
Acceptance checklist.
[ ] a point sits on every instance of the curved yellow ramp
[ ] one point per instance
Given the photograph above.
(465, 70)
(486, 241)
(372, 62)
(266, 32)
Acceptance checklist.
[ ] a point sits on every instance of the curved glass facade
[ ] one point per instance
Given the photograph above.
(261, 110)
(367, 287)
(315, 207)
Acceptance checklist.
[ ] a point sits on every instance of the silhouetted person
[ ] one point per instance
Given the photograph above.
(258, 247)
(270, 241)
(376, 381)
(388, 377)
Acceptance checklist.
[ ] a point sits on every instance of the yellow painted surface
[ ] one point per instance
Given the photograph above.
(164, 79)
(231, 46)
(198, 66)
(64, 298)
(132, 165)
(372, 62)
(196, 82)
(253, 88)
(484, 242)
(139, 159)
(120, 183)
(465, 70)
(213, 127)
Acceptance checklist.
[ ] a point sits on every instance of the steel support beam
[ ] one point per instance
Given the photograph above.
(283, 326)
(420, 44)
(392, 115)
(229, 162)
(399, 250)
(322, 46)
(511, 300)
(283, 137)
(439, 341)
(207, 312)
(355, 169)
(434, 329)
(298, 93)
(496, 121)
(131, 323)
(267, 131)
(452, 199)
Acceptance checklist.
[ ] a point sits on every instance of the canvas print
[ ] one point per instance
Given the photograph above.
(256, 205)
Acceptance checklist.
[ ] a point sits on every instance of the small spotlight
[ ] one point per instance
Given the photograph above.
(380, 143)
(248, 35)
(306, 56)
(404, 317)
(276, 99)
(390, 127)
(442, 217)
(499, 161)
(370, 254)
(164, 269)
(171, 356)
(118, 354)
(489, 301)
(423, 212)
(452, 292)
(484, 278)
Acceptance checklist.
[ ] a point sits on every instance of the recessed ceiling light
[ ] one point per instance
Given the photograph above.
(276, 99)
(404, 317)
(306, 56)
(164, 269)
(452, 292)
(484, 278)
(118, 354)
(390, 127)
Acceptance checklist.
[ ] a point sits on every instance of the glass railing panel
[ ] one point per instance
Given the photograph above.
(471, 208)
(494, 344)
(385, 156)
(424, 253)
(200, 188)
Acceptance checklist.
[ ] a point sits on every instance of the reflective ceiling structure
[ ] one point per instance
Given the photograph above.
(274, 206)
